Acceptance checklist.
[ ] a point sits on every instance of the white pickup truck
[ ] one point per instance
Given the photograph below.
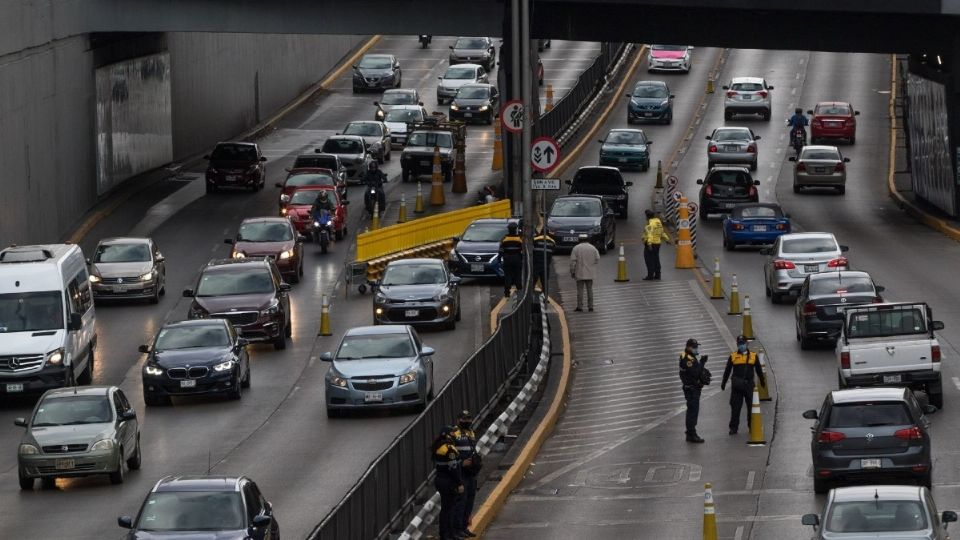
(891, 344)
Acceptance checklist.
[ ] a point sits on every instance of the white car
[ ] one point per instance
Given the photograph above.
(794, 256)
(747, 95)
(457, 76)
(398, 118)
(669, 58)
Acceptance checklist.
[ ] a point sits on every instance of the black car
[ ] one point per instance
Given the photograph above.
(192, 507)
(204, 356)
(820, 296)
(725, 187)
(235, 165)
(605, 182)
(474, 50)
(476, 252)
(475, 102)
(573, 215)
(876, 435)
(376, 72)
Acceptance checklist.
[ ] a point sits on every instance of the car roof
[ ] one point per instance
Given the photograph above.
(198, 483)
(820, 147)
(792, 236)
(196, 322)
(855, 395)
(377, 55)
(579, 196)
(464, 65)
(407, 107)
(473, 37)
(842, 274)
(78, 391)
(233, 263)
(238, 143)
(882, 492)
(124, 240)
(377, 330)
(495, 220)
(415, 261)
(757, 80)
(265, 219)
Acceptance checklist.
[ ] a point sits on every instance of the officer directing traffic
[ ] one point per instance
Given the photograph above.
(653, 236)
(694, 376)
(511, 258)
(449, 483)
(741, 366)
(470, 462)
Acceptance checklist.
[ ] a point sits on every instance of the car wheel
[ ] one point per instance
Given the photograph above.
(26, 483)
(766, 116)
(727, 115)
(155, 299)
(841, 189)
(796, 187)
(295, 276)
(280, 342)
(457, 316)
(288, 329)
(236, 391)
(332, 413)
(728, 245)
(926, 480)
(211, 188)
(853, 140)
(450, 325)
(117, 476)
(936, 399)
(703, 213)
(389, 153)
(48, 482)
(87, 376)
(163, 284)
(840, 384)
(136, 459)
(338, 234)
(629, 120)
(820, 486)
(381, 157)
(356, 90)
(804, 343)
(247, 378)
(775, 297)
(753, 166)
(405, 175)
(623, 214)
(767, 289)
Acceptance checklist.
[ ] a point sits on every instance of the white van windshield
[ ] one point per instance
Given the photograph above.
(31, 312)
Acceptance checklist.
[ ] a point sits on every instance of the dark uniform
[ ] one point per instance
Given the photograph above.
(466, 443)
(741, 366)
(511, 258)
(449, 483)
(543, 245)
(691, 376)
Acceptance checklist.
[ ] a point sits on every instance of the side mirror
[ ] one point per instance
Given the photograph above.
(376, 103)
(757, 137)
(243, 342)
(846, 160)
(427, 351)
(354, 66)
(420, 103)
(228, 241)
(948, 516)
(672, 96)
(263, 158)
(856, 113)
(770, 88)
(301, 238)
(128, 415)
(812, 519)
(88, 261)
(188, 293)
(568, 182)
(206, 156)
(600, 141)
(810, 112)
(344, 203)
(22, 422)
(649, 142)
(707, 137)
(326, 357)
(764, 251)
(725, 87)
(810, 414)
(880, 288)
(930, 409)
(125, 521)
(787, 215)
(628, 95)
(450, 47)
(76, 322)
(284, 287)
(160, 258)
(456, 239)
(262, 521)
(318, 150)
(610, 211)
(936, 325)
(628, 184)
(144, 348)
(844, 249)
(700, 181)
(455, 280)
(279, 184)
(756, 182)
(792, 158)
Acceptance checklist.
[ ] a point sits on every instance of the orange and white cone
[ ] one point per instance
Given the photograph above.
(324, 317)
(734, 297)
(717, 286)
(621, 267)
(756, 422)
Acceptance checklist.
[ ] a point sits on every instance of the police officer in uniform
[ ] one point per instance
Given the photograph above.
(653, 236)
(449, 483)
(470, 459)
(692, 377)
(742, 364)
(543, 245)
(511, 257)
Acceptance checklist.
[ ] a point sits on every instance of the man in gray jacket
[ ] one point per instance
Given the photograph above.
(583, 267)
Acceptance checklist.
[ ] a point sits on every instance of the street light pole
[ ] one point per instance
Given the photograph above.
(526, 78)
(516, 156)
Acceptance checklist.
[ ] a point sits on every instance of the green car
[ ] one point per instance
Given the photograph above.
(626, 148)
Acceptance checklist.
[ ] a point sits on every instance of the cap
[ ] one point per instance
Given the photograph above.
(649, 213)
(741, 339)
(693, 343)
(512, 227)
(583, 237)
(465, 415)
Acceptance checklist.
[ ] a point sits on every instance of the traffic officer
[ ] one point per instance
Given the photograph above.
(653, 236)
(741, 366)
(693, 376)
(511, 258)
(543, 245)
(471, 462)
(449, 483)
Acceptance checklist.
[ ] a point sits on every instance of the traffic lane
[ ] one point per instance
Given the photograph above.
(557, 63)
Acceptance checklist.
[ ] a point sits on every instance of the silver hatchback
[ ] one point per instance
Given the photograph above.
(794, 256)
(747, 95)
(820, 166)
(901, 512)
(732, 145)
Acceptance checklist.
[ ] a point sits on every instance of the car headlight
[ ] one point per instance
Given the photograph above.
(379, 114)
(146, 277)
(454, 107)
(197, 312)
(452, 256)
(28, 450)
(284, 199)
(211, 170)
(272, 309)
(664, 103)
(408, 377)
(484, 108)
(286, 254)
(379, 298)
(55, 357)
(238, 255)
(224, 366)
(283, 211)
(94, 278)
(337, 380)
(441, 297)
(103, 444)
(153, 371)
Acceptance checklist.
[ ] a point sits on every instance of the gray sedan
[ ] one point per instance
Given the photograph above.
(79, 432)
(820, 166)
(794, 256)
(417, 291)
(128, 268)
(376, 135)
(732, 145)
(378, 367)
(901, 512)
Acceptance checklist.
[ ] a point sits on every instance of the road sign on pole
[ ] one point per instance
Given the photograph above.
(544, 154)
(512, 116)
(545, 184)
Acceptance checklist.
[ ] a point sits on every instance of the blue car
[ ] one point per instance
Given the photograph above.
(754, 224)
(651, 101)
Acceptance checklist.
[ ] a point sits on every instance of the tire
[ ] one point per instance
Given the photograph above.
(48, 482)
(26, 483)
(387, 154)
(457, 316)
(450, 325)
(703, 213)
(236, 391)
(841, 190)
(767, 289)
(602, 248)
(765, 116)
(853, 140)
(280, 342)
(926, 480)
(155, 299)
(727, 115)
(840, 383)
(728, 245)
(295, 277)
(820, 486)
(936, 399)
(247, 378)
(211, 188)
(153, 400)
(86, 377)
(136, 459)
(405, 175)
(629, 120)
(118, 476)
(288, 329)
(753, 166)
(356, 90)
(338, 235)
(804, 343)
(775, 297)
(796, 188)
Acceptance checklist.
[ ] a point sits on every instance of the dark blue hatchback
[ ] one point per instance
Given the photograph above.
(754, 224)
(651, 101)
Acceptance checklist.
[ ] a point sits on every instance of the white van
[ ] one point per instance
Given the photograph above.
(47, 320)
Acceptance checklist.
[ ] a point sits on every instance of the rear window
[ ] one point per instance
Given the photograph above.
(234, 152)
(834, 284)
(342, 146)
(886, 322)
(862, 415)
(730, 178)
(422, 138)
(832, 155)
(757, 212)
(839, 110)
(746, 87)
(310, 179)
(876, 516)
(731, 135)
(809, 245)
(319, 162)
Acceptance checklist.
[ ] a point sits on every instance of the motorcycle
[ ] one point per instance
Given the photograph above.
(374, 193)
(425, 40)
(798, 139)
(322, 229)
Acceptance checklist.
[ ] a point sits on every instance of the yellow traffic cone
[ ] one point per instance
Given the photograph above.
(747, 319)
(709, 514)
(684, 257)
(763, 389)
(375, 221)
(659, 184)
(734, 297)
(402, 218)
(549, 106)
(709, 86)
(497, 147)
(324, 317)
(621, 267)
(459, 173)
(418, 204)
(756, 422)
(717, 286)
(436, 181)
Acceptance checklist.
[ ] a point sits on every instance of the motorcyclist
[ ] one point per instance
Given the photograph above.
(798, 121)
(322, 202)
(375, 179)
(487, 195)
(425, 40)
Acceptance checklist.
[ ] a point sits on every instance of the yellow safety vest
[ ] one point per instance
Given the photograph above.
(653, 232)
(739, 359)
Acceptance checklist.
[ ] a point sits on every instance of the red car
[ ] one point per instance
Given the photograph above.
(833, 120)
(306, 176)
(298, 205)
(274, 237)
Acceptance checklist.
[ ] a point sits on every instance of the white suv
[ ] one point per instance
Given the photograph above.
(747, 95)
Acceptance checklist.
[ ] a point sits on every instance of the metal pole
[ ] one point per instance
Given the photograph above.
(528, 98)
(516, 73)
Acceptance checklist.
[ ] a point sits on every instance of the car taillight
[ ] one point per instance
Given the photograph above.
(831, 437)
(708, 190)
(815, 123)
(935, 353)
(751, 149)
(837, 263)
(910, 433)
(781, 227)
(781, 264)
(753, 191)
(731, 93)
(809, 308)
(712, 149)
(838, 167)
(844, 360)
(801, 166)
(762, 93)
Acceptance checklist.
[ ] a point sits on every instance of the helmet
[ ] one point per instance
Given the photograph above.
(741, 339)
(649, 213)
(372, 165)
(323, 195)
(465, 415)
(798, 110)
(693, 343)
(447, 431)
(512, 227)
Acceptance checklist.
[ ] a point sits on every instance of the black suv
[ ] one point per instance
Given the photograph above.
(820, 297)
(870, 434)
(250, 293)
(223, 507)
(605, 182)
(725, 187)
(235, 164)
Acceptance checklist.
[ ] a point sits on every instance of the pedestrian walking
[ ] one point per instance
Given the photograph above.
(653, 236)
(742, 364)
(694, 375)
(449, 483)
(471, 463)
(511, 258)
(543, 245)
(584, 259)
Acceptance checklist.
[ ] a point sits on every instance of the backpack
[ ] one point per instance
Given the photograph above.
(705, 376)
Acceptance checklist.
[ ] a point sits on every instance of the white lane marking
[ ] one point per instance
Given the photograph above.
(738, 535)
(797, 77)
(294, 391)
(750, 478)
(675, 399)
(803, 61)
(956, 382)
(708, 307)
(214, 248)
(793, 91)
(478, 327)
(226, 231)
(773, 165)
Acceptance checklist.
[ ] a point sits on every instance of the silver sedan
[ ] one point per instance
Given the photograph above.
(127, 268)
(885, 511)
(820, 166)
(417, 291)
(794, 256)
(732, 145)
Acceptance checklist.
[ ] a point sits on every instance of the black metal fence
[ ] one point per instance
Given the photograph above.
(388, 489)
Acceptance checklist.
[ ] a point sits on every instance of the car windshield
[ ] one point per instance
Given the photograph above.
(875, 516)
(820, 153)
(650, 91)
(310, 179)
(723, 135)
(375, 346)
(669, 47)
(838, 110)
(375, 62)
(250, 281)
(403, 115)
(189, 337)
(342, 146)
(886, 322)
(363, 129)
(31, 312)
(122, 253)
(413, 274)
(304, 196)
(192, 511)
(746, 87)
(625, 137)
(470, 43)
(422, 138)
(398, 98)
(265, 231)
(838, 284)
(747, 212)
(876, 414)
(320, 162)
(234, 152)
(485, 232)
(72, 410)
(809, 245)
(473, 92)
(575, 208)
(460, 73)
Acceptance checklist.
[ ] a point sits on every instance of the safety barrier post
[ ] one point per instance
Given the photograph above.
(684, 257)
(402, 217)
(670, 200)
(460, 170)
(437, 197)
(710, 84)
(375, 221)
(717, 291)
(621, 267)
(747, 318)
(659, 184)
(418, 204)
(709, 514)
(324, 317)
(549, 106)
(756, 422)
(692, 211)
(763, 386)
(497, 147)
(734, 297)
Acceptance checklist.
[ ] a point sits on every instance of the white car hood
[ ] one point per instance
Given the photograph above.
(30, 343)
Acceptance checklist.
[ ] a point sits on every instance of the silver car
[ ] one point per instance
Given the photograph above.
(457, 76)
(375, 134)
(795, 256)
(417, 291)
(353, 153)
(78, 432)
(476, 50)
(395, 97)
(900, 512)
(820, 166)
(732, 145)
(398, 120)
(123, 268)
(379, 367)
(747, 95)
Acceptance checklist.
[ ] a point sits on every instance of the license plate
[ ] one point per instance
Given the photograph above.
(834, 124)
(748, 97)
(891, 379)
(425, 163)
(869, 463)
(820, 170)
(411, 312)
(759, 228)
(731, 148)
(230, 178)
(117, 289)
(188, 383)
(729, 205)
(622, 160)
(15, 387)
(476, 267)
(811, 268)
(65, 463)
(371, 397)
(648, 114)
(570, 239)
(468, 115)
